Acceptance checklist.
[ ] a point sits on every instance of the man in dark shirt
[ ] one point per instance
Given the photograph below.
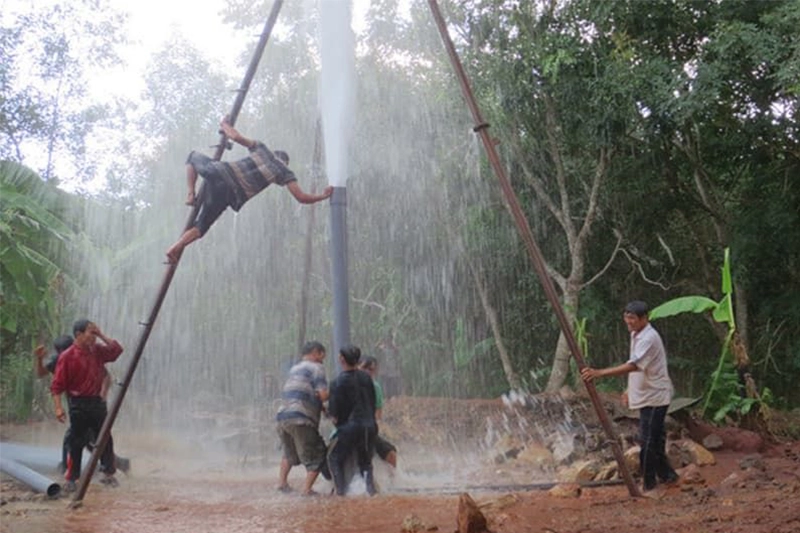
(352, 407)
(232, 184)
(80, 372)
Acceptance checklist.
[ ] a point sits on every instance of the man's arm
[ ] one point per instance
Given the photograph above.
(306, 198)
(234, 135)
(112, 349)
(588, 373)
(60, 414)
(38, 366)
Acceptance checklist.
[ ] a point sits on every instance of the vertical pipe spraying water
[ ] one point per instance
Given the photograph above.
(337, 51)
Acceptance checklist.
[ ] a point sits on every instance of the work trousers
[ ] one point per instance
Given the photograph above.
(86, 417)
(353, 438)
(653, 455)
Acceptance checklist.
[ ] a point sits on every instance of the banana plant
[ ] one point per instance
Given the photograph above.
(722, 312)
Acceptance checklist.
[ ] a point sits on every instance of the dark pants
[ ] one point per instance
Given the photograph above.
(215, 197)
(352, 438)
(86, 416)
(653, 455)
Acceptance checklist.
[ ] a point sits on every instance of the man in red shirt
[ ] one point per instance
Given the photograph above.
(80, 373)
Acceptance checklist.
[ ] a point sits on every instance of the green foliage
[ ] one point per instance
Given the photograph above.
(33, 280)
(16, 387)
(723, 395)
(46, 113)
(32, 240)
(684, 304)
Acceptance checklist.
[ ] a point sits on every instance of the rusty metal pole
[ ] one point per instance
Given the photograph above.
(482, 129)
(105, 431)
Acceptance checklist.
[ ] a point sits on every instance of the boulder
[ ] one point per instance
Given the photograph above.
(700, 456)
(735, 439)
(632, 459)
(713, 442)
(536, 455)
(470, 519)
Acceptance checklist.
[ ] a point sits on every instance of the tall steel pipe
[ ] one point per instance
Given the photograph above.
(341, 303)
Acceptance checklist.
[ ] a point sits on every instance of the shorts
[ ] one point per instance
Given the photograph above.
(302, 444)
(383, 447)
(215, 196)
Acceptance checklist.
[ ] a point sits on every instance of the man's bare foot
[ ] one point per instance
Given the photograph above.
(190, 199)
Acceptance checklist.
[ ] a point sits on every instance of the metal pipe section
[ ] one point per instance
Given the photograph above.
(341, 304)
(32, 478)
(105, 431)
(39, 457)
(535, 254)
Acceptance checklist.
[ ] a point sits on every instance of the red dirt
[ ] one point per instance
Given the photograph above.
(169, 493)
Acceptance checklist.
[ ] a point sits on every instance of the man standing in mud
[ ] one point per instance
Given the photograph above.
(649, 391)
(298, 418)
(352, 407)
(80, 373)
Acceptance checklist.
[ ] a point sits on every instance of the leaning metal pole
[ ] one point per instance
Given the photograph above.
(341, 304)
(482, 128)
(105, 431)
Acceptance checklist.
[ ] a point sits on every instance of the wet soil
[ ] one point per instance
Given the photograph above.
(180, 485)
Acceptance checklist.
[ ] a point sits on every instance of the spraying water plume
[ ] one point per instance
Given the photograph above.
(336, 94)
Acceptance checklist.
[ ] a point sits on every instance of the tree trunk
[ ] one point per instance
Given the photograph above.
(560, 368)
(491, 316)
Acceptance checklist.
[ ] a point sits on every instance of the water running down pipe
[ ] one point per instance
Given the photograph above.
(341, 304)
(32, 478)
(482, 129)
(105, 431)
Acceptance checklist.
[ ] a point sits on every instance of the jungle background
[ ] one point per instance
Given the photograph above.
(643, 139)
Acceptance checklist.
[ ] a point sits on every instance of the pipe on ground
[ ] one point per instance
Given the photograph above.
(32, 478)
(38, 457)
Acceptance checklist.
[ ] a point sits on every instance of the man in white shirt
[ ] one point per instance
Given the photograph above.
(649, 391)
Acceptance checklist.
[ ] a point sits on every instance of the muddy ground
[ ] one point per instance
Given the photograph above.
(190, 483)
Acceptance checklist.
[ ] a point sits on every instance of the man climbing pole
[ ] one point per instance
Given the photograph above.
(232, 184)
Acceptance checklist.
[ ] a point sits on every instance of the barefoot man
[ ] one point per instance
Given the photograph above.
(232, 184)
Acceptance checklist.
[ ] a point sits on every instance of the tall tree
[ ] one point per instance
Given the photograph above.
(46, 54)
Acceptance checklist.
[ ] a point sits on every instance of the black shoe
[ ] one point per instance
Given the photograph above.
(69, 486)
(109, 481)
(124, 465)
(671, 480)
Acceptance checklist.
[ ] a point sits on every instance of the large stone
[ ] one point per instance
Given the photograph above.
(580, 472)
(470, 519)
(678, 456)
(632, 459)
(713, 442)
(700, 456)
(607, 471)
(691, 475)
(736, 439)
(536, 455)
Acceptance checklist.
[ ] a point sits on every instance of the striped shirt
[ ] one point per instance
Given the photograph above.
(300, 402)
(249, 176)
